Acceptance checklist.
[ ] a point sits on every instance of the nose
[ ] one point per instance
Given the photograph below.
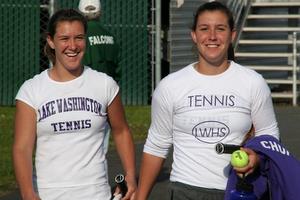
(72, 44)
(212, 34)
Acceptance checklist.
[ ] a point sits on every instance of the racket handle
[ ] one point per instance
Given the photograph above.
(117, 197)
(226, 148)
(121, 183)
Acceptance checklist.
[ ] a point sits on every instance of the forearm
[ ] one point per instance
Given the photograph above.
(24, 141)
(23, 173)
(124, 143)
(125, 147)
(150, 168)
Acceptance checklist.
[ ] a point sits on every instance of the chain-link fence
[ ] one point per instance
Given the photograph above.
(19, 52)
(23, 24)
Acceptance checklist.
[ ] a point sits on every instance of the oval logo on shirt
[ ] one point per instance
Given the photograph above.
(210, 131)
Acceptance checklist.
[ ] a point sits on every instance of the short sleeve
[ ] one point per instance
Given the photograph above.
(26, 94)
(112, 89)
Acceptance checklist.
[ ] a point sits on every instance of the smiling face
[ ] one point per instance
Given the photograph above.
(69, 45)
(213, 35)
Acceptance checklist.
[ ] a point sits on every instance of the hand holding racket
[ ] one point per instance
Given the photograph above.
(121, 185)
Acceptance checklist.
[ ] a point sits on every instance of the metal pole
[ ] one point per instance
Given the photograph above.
(51, 7)
(152, 46)
(294, 68)
(51, 11)
(157, 42)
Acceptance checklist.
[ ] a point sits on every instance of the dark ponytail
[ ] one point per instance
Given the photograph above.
(50, 53)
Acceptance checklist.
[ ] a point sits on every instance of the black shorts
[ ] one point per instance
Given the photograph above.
(181, 191)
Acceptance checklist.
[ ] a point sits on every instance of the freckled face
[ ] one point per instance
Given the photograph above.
(213, 37)
(69, 45)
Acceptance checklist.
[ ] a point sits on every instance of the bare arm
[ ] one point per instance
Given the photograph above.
(150, 168)
(124, 143)
(24, 141)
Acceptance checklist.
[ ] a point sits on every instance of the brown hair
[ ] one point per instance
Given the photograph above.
(216, 6)
(61, 15)
(213, 6)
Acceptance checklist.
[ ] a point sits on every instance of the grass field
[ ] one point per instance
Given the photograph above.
(138, 118)
(6, 137)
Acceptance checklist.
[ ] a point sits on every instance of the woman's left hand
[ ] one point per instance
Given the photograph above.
(252, 164)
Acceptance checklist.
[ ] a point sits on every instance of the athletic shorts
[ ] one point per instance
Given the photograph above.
(88, 192)
(181, 191)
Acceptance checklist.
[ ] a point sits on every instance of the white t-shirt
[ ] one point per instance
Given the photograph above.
(194, 112)
(71, 118)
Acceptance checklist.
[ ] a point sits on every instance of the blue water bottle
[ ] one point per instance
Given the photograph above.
(243, 191)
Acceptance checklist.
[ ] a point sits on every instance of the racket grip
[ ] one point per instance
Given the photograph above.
(226, 148)
(121, 183)
(117, 197)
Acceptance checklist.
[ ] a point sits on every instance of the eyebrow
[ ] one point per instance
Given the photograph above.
(81, 35)
(217, 26)
(226, 25)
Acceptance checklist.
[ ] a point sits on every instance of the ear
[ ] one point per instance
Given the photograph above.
(193, 35)
(50, 42)
(233, 35)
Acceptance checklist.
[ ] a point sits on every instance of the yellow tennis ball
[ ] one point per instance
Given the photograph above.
(239, 158)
